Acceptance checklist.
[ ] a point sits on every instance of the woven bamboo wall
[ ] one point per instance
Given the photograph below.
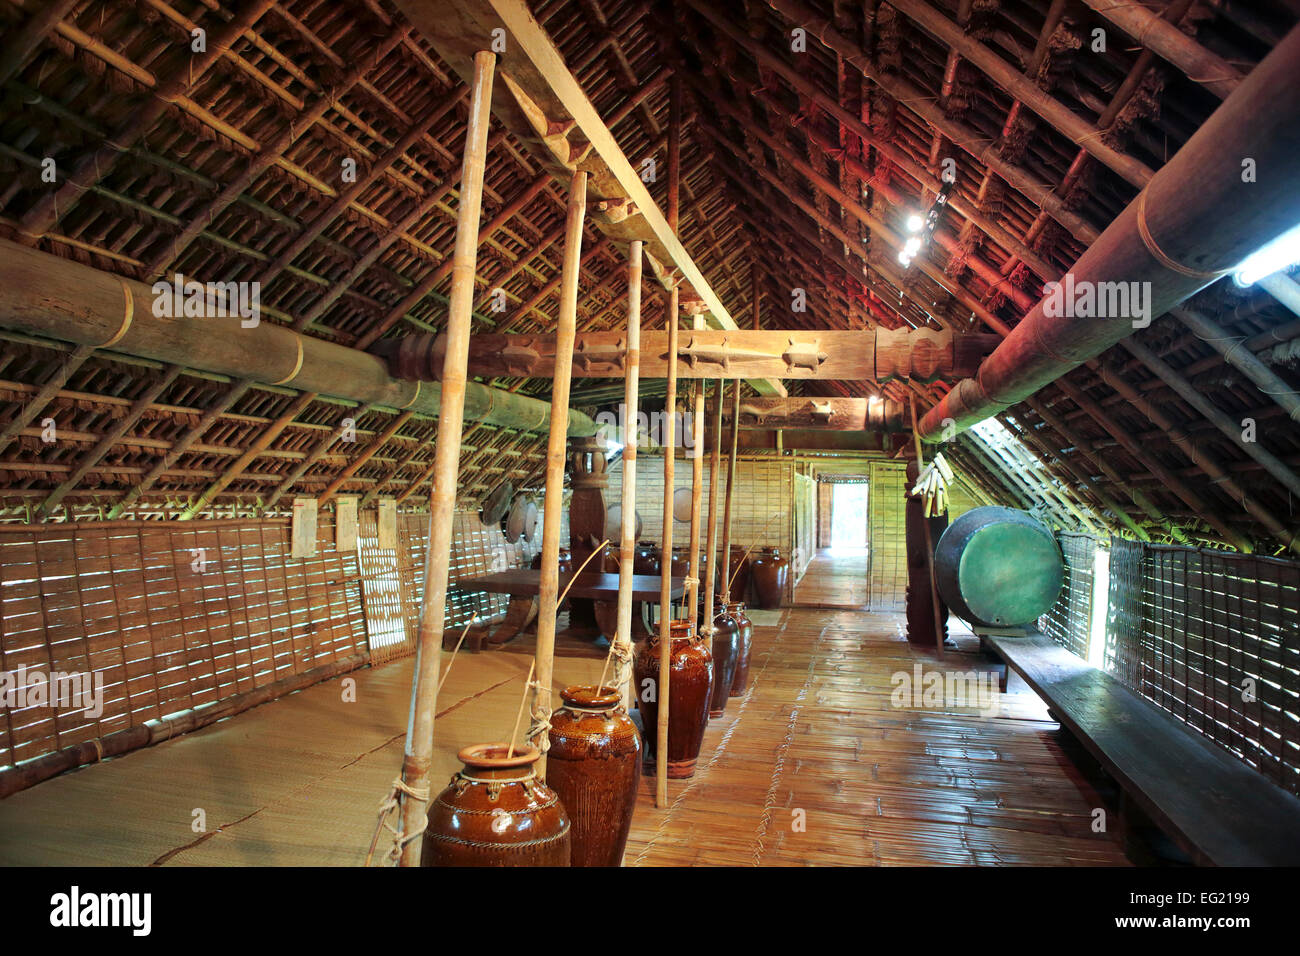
(764, 497)
(1213, 638)
(170, 616)
(393, 580)
(805, 525)
(825, 490)
(1210, 636)
(1068, 621)
(885, 535)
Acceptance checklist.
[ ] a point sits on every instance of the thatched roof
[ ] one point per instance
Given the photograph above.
(800, 155)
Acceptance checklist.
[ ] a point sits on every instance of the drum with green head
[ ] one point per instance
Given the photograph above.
(998, 567)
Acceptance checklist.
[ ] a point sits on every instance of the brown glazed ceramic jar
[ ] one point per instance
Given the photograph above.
(690, 683)
(592, 766)
(646, 560)
(496, 812)
(726, 650)
(740, 586)
(770, 571)
(740, 682)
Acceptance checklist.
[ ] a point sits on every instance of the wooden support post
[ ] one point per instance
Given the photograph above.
(929, 547)
(627, 533)
(711, 546)
(669, 443)
(731, 487)
(666, 575)
(697, 492)
(418, 757)
(556, 446)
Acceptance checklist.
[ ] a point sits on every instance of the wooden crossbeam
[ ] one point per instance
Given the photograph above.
(796, 354)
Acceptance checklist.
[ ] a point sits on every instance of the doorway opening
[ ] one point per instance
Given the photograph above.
(837, 575)
(849, 516)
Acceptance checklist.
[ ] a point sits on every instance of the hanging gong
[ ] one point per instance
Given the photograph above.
(614, 524)
(682, 504)
(530, 520)
(496, 503)
(514, 528)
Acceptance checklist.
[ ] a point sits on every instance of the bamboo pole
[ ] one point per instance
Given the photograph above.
(662, 690)
(711, 546)
(697, 493)
(556, 446)
(627, 534)
(666, 573)
(731, 487)
(418, 758)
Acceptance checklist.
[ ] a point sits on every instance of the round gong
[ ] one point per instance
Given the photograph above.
(998, 567)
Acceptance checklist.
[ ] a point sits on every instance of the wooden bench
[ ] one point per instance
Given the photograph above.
(1213, 806)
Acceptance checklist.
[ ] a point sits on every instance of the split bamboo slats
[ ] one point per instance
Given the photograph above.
(1210, 637)
(125, 600)
(888, 557)
(1069, 620)
(169, 617)
(1207, 636)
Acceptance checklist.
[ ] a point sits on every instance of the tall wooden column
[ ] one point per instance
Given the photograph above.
(627, 533)
(711, 545)
(556, 442)
(697, 492)
(666, 575)
(926, 623)
(418, 756)
(731, 487)
(662, 690)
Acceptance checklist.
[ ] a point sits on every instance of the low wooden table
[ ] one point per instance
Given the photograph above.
(589, 584)
(526, 584)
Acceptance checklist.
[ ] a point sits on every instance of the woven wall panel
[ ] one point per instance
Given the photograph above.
(393, 579)
(761, 508)
(169, 616)
(1069, 620)
(886, 536)
(1190, 628)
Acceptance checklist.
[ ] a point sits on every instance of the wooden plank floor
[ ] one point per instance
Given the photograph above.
(297, 781)
(835, 578)
(878, 785)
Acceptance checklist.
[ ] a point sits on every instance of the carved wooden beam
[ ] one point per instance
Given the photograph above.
(837, 354)
(818, 413)
(541, 102)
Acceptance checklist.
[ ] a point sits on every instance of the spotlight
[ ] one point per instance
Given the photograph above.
(1272, 257)
(914, 223)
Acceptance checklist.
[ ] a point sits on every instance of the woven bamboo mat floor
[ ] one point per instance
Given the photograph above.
(297, 781)
(835, 578)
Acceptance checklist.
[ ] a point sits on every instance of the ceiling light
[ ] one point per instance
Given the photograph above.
(1273, 257)
(914, 223)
